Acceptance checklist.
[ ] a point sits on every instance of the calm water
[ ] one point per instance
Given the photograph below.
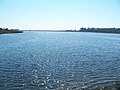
(59, 61)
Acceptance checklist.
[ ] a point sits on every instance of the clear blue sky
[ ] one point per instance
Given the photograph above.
(59, 14)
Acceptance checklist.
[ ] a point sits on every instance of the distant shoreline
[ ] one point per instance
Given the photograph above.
(7, 31)
(92, 30)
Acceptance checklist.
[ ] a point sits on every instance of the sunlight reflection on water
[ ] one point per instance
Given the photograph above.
(58, 61)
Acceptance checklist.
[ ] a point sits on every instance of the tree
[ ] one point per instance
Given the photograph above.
(0, 28)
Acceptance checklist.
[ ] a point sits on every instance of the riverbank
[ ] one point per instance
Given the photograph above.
(7, 31)
(97, 30)
(93, 30)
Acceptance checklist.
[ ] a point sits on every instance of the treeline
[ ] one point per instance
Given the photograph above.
(101, 30)
(6, 30)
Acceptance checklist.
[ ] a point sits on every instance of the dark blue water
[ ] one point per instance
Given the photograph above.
(59, 60)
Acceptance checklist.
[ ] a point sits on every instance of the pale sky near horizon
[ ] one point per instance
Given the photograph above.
(59, 14)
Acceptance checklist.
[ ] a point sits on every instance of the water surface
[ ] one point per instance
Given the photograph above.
(59, 61)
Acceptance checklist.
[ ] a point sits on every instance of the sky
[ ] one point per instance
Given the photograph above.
(59, 14)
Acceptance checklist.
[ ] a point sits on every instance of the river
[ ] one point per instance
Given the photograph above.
(59, 60)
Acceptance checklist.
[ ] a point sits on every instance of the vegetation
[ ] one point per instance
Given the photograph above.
(101, 30)
(6, 30)
(98, 30)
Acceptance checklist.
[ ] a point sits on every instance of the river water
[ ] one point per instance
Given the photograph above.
(59, 60)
